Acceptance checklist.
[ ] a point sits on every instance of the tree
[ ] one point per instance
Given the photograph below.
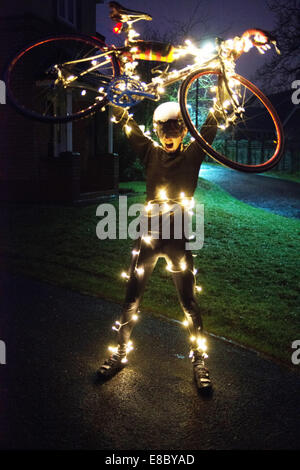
(176, 31)
(281, 70)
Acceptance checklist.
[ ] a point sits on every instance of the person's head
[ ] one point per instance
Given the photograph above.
(169, 126)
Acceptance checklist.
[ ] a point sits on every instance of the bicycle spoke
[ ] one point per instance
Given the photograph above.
(56, 68)
(247, 138)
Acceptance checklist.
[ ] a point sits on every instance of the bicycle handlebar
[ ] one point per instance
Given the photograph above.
(260, 39)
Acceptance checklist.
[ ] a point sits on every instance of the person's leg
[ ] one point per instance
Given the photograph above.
(143, 260)
(181, 265)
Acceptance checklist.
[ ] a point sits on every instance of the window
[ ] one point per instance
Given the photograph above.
(66, 10)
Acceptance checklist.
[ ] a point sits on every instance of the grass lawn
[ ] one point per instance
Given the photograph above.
(248, 267)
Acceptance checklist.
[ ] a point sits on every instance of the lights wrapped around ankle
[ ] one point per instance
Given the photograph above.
(199, 345)
(115, 350)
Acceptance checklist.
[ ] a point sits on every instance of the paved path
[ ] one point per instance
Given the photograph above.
(276, 195)
(49, 399)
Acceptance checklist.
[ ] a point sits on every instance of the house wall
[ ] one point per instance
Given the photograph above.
(26, 157)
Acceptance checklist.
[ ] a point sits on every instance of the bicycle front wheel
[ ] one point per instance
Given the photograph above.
(61, 78)
(253, 142)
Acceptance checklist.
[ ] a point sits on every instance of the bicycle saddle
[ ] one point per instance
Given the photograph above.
(119, 13)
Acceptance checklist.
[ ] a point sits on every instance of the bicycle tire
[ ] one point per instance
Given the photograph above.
(216, 155)
(14, 100)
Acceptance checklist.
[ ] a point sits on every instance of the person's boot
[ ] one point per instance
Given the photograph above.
(201, 373)
(113, 364)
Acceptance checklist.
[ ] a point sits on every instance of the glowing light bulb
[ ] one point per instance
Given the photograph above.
(183, 265)
(134, 317)
(127, 129)
(140, 271)
(83, 93)
(129, 347)
(147, 239)
(185, 323)
(208, 48)
(113, 349)
(148, 207)
(185, 202)
(135, 252)
(193, 338)
(163, 194)
(124, 275)
(198, 288)
(201, 344)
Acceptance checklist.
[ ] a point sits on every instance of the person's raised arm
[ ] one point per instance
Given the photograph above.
(138, 140)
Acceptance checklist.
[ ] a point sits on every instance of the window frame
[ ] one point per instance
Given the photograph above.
(65, 17)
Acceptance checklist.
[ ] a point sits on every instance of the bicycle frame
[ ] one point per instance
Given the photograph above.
(224, 60)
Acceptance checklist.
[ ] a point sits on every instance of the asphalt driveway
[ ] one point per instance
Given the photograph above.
(273, 194)
(49, 399)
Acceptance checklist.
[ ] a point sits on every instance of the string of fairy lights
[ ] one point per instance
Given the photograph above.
(229, 51)
(198, 341)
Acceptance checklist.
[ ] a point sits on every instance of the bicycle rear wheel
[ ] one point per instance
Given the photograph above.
(61, 78)
(254, 143)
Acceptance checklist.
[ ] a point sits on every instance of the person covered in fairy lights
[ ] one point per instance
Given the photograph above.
(171, 175)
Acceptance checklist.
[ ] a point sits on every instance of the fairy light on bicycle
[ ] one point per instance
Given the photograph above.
(66, 85)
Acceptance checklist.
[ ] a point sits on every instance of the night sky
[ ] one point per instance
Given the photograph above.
(224, 17)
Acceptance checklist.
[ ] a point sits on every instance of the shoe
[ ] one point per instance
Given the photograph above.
(112, 365)
(201, 373)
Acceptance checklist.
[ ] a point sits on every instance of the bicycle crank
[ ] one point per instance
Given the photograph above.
(126, 92)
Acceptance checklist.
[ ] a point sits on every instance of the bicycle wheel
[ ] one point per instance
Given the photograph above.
(61, 78)
(254, 142)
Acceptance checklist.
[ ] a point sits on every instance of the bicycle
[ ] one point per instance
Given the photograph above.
(67, 77)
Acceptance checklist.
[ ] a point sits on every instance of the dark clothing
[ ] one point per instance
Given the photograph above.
(176, 173)
(174, 252)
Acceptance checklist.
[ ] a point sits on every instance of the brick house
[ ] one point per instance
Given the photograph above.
(45, 162)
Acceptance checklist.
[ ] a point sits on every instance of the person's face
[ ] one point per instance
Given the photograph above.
(171, 144)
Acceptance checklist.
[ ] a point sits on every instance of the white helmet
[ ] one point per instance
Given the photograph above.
(167, 119)
(166, 111)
